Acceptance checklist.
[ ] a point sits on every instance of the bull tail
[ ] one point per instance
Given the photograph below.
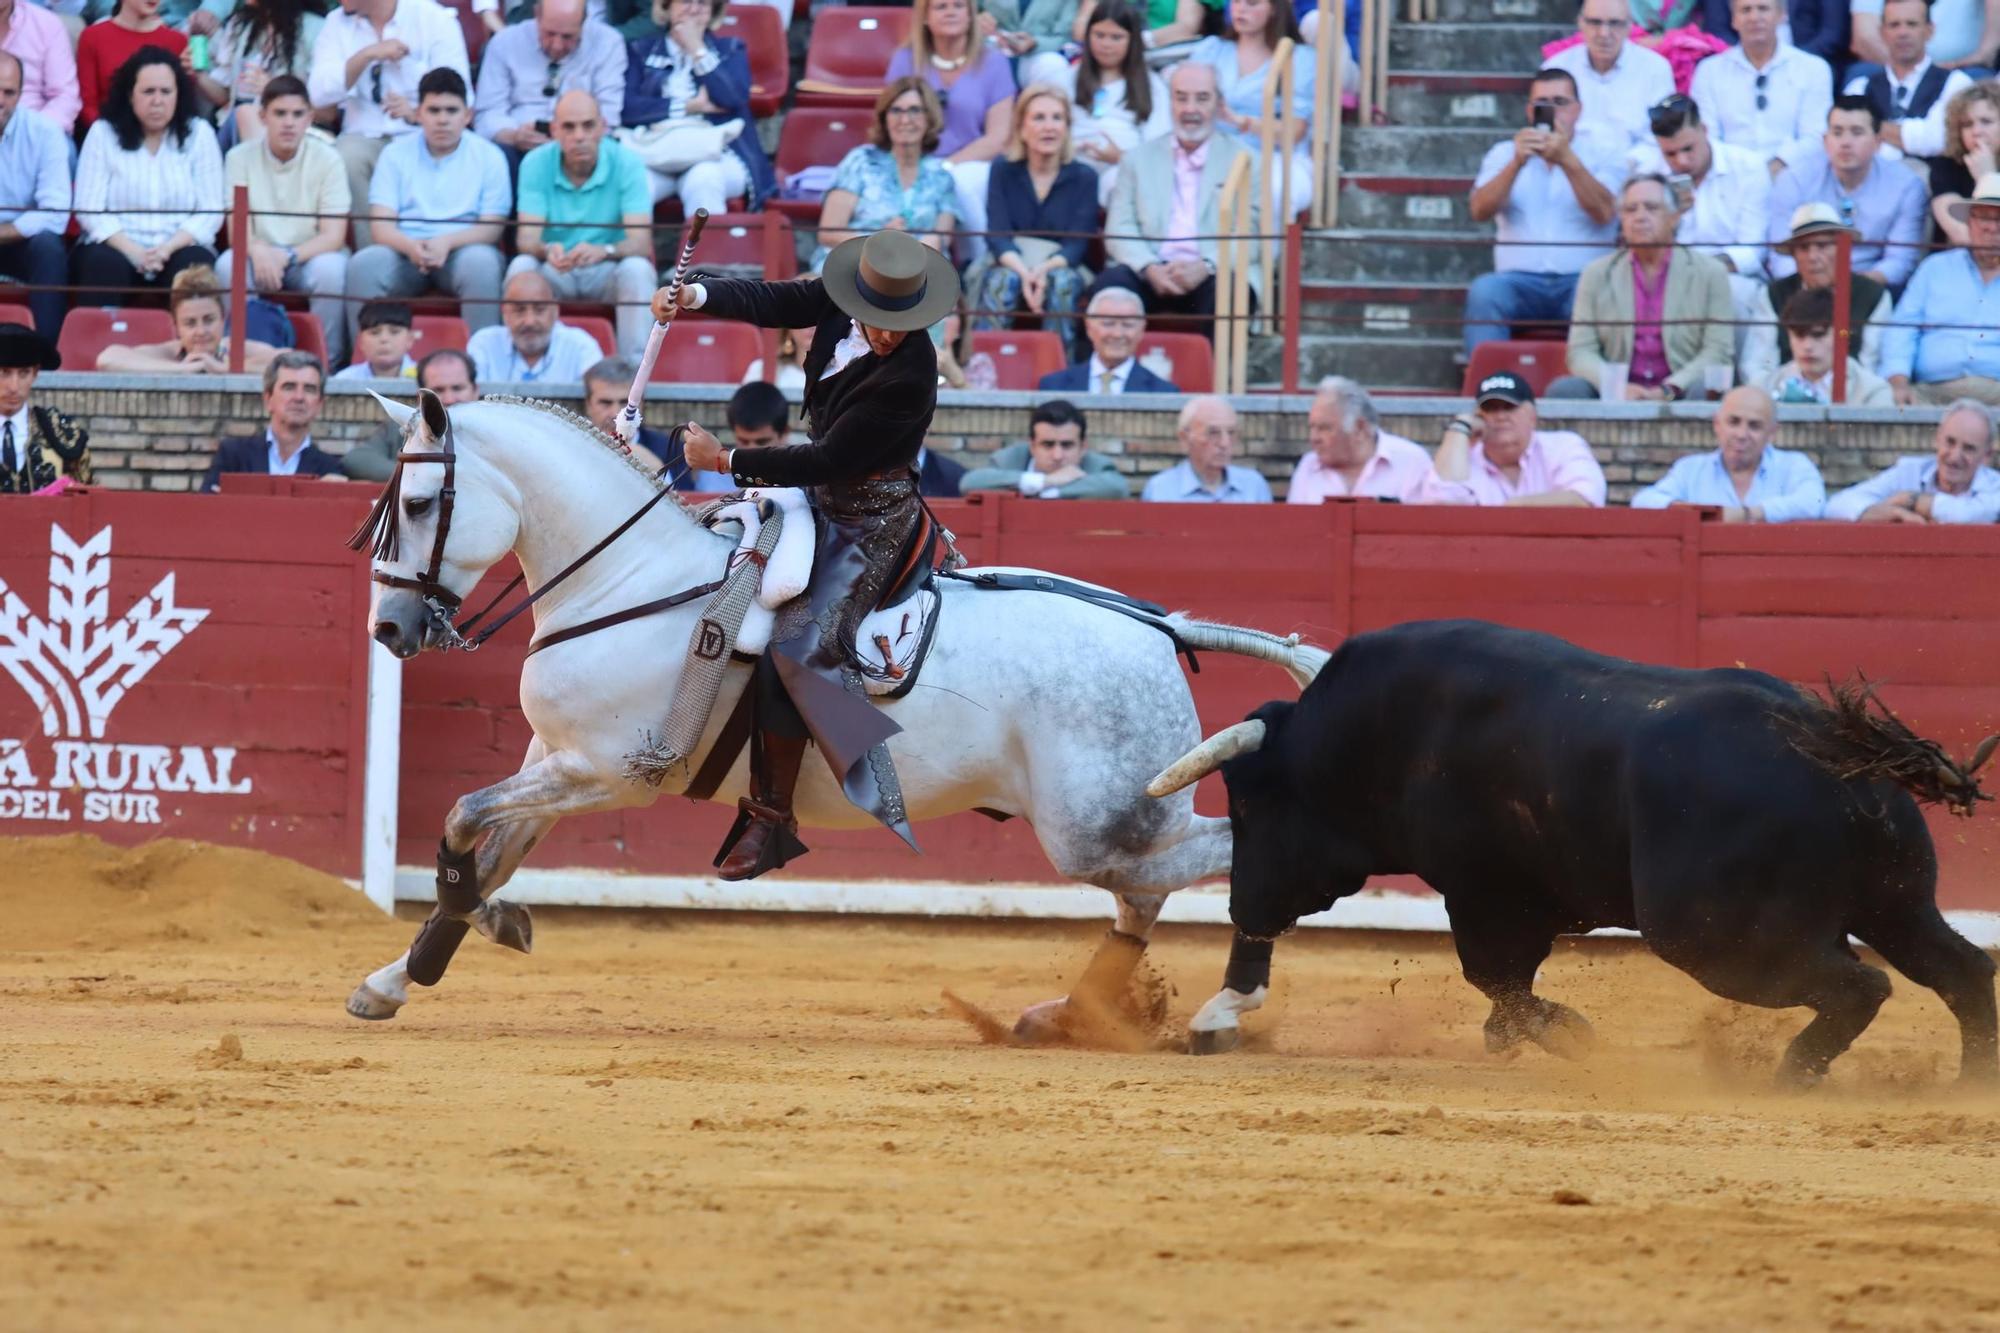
(1853, 735)
(1300, 661)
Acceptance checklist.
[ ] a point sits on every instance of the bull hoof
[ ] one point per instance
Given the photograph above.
(506, 924)
(1214, 1041)
(1044, 1024)
(372, 1005)
(1566, 1033)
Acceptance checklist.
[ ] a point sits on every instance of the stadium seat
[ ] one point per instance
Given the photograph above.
(850, 50)
(1022, 356)
(16, 314)
(816, 136)
(430, 333)
(1535, 360)
(91, 329)
(758, 28)
(471, 27)
(707, 351)
(738, 238)
(1191, 356)
(309, 335)
(598, 327)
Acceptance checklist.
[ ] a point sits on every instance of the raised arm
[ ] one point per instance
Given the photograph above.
(798, 304)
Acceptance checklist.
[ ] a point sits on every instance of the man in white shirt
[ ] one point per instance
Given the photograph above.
(1550, 191)
(298, 210)
(531, 345)
(1910, 93)
(369, 59)
(1954, 485)
(529, 65)
(1618, 80)
(1765, 94)
(1351, 454)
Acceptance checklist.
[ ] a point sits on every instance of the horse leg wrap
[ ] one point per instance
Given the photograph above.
(1249, 965)
(437, 940)
(457, 881)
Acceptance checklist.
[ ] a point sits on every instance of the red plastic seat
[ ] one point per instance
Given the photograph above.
(91, 329)
(816, 136)
(738, 238)
(309, 335)
(431, 333)
(1535, 360)
(707, 351)
(847, 62)
(598, 327)
(758, 28)
(1022, 356)
(16, 314)
(1192, 357)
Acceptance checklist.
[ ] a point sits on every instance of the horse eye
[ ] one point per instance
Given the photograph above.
(417, 506)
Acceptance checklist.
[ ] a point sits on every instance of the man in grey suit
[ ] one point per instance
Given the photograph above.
(1169, 194)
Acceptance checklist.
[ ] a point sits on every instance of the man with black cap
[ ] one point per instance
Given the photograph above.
(37, 444)
(1497, 457)
(871, 387)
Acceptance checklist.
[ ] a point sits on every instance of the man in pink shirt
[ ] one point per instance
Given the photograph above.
(1351, 454)
(1498, 457)
(39, 41)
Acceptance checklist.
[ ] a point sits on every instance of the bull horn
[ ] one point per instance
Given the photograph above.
(1203, 759)
(1983, 753)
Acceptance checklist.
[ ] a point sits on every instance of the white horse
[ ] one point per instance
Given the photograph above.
(1032, 704)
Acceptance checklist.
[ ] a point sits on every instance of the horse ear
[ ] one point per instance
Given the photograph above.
(432, 408)
(399, 413)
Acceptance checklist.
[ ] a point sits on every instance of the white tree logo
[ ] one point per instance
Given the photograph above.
(74, 666)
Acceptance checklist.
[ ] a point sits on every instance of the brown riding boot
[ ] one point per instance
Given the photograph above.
(765, 834)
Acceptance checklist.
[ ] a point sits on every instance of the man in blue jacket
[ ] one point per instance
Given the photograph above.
(1114, 321)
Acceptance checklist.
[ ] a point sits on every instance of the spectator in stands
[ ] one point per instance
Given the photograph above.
(38, 445)
(893, 181)
(261, 40)
(1808, 376)
(1053, 464)
(648, 20)
(1351, 454)
(1747, 477)
(201, 328)
(1498, 457)
(34, 201)
(1765, 94)
(294, 385)
(1658, 310)
(1114, 322)
(690, 71)
(38, 40)
(383, 345)
(1165, 211)
(440, 202)
(1242, 59)
(1168, 22)
(1945, 340)
(1910, 94)
(1817, 27)
(1033, 33)
(759, 417)
(793, 344)
(1967, 32)
(938, 478)
(528, 65)
(1116, 101)
(1952, 485)
(607, 387)
(1550, 190)
(1207, 430)
(448, 373)
(570, 191)
(531, 344)
(149, 184)
(105, 48)
(1971, 153)
(1814, 252)
(371, 58)
(975, 84)
(1042, 208)
(1883, 201)
(298, 210)
(1618, 81)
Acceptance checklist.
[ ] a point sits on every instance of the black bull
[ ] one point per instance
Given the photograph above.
(1743, 827)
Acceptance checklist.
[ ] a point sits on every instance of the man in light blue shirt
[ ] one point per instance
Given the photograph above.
(1885, 202)
(530, 345)
(1747, 478)
(34, 202)
(438, 201)
(1953, 485)
(527, 66)
(1208, 433)
(1944, 342)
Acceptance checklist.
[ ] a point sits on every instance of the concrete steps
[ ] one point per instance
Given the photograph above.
(1560, 13)
(1400, 256)
(1469, 46)
(1401, 150)
(1384, 311)
(1458, 101)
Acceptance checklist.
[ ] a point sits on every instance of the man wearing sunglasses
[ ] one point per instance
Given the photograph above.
(1764, 94)
(529, 65)
(1617, 79)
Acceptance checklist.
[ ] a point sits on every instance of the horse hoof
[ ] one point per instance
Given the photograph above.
(506, 924)
(1214, 1041)
(372, 1004)
(1044, 1024)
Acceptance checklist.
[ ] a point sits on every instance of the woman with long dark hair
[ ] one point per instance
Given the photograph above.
(103, 48)
(149, 185)
(1116, 101)
(260, 40)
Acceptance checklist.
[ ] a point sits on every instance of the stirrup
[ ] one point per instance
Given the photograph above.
(778, 845)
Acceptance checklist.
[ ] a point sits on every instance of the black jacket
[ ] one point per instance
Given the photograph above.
(870, 418)
(940, 477)
(252, 453)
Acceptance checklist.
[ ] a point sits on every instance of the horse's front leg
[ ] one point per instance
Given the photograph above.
(525, 805)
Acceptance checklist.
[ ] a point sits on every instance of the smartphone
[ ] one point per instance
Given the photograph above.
(1544, 117)
(1683, 186)
(542, 127)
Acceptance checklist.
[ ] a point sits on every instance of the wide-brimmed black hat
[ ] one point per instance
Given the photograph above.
(890, 280)
(22, 346)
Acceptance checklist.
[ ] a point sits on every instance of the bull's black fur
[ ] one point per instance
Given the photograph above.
(1543, 789)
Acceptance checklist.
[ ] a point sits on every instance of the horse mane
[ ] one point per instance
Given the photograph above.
(585, 425)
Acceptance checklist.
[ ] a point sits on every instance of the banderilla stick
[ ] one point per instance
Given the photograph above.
(629, 421)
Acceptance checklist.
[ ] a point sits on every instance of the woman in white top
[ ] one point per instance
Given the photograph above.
(260, 40)
(1116, 102)
(149, 185)
(1242, 61)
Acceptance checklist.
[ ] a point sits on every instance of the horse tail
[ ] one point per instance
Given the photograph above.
(1300, 661)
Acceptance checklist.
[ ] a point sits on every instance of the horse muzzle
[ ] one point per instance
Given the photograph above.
(403, 625)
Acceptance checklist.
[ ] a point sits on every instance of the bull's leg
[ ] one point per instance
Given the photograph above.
(1932, 954)
(1499, 953)
(1823, 975)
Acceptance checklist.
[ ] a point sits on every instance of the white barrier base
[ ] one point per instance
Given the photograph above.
(1371, 909)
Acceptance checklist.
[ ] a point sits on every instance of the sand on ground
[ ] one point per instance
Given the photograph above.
(692, 1122)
